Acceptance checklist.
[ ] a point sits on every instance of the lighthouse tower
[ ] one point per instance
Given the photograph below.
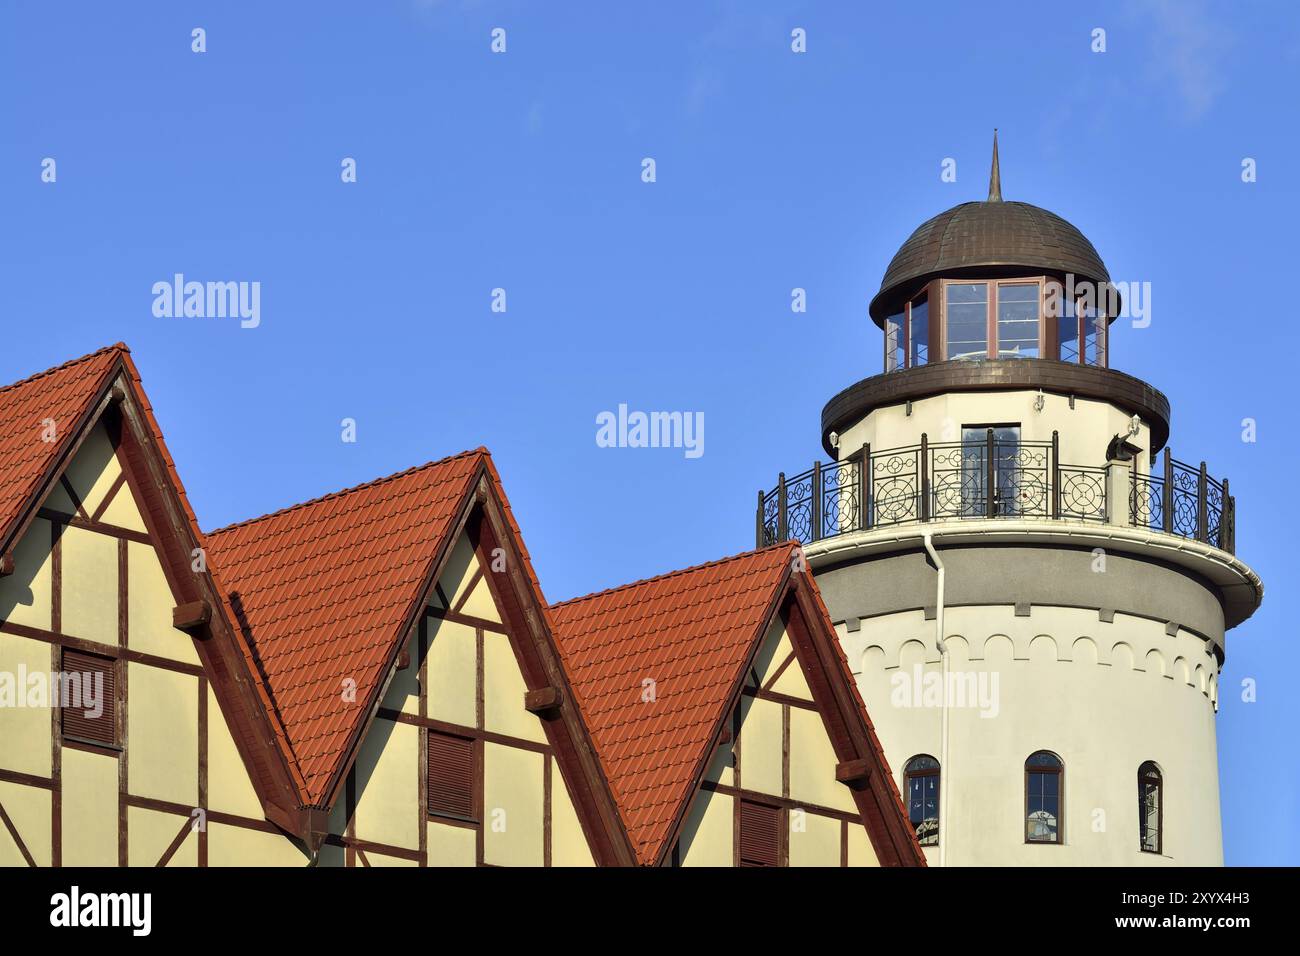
(1032, 590)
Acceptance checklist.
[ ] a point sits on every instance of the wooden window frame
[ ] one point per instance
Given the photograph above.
(936, 771)
(995, 297)
(922, 293)
(112, 747)
(475, 778)
(1157, 775)
(1060, 804)
(1047, 339)
(988, 311)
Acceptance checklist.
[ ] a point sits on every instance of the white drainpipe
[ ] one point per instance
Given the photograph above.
(944, 775)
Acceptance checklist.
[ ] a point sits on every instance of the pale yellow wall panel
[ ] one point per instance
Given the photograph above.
(450, 846)
(24, 729)
(861, 852)
(814, 840)
(332, 856)
(388, 799)
(460, 569)
(721, 768)
(123, 511)
(812, 763)
(512, 806)
(163, 734)
(229, 788)
(792, 683)
(776, 648)
(89, 809)
(94, 469)
(480, 602)
(236, 846)
(403, 693)
(59, 500)
(89, 585)
(707, 837)
(760, 746)
(149, 602)
(29, 810)
(25, 594)
(380, 859)
(503, 692)
(568, 844)
(149, 834)
(451, 673)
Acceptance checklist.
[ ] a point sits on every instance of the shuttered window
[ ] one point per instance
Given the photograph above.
(760, 834)
(451, 775)
(87, 696)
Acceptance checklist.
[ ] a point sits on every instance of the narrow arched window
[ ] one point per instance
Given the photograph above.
(921, 783)
(1044, 798)
(1151, 807)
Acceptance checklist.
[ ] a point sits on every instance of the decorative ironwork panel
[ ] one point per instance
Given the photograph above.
(840, 506)
(1187, 499)
(799, 507)
(1147, 502)
(1083, 492)
(896, 486)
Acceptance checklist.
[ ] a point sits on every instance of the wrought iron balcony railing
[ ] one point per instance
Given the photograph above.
(988, 479)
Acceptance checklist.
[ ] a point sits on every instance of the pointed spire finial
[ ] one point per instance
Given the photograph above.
(995, 174)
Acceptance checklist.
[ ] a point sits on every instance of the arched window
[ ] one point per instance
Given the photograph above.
(1151, 807)
(1044, 798)
(921, 783)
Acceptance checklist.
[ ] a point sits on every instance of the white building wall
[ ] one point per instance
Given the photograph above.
(1105, 697)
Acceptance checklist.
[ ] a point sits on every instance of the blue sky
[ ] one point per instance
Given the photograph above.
(522, 171)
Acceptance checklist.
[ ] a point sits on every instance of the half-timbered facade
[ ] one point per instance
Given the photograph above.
(374, 678)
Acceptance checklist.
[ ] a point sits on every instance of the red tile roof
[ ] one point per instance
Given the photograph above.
(691, 632)
(63, 394)
(322, 590)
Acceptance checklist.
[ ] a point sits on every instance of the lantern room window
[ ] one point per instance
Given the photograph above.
(995, 319)
(1018, 310)
(967, 320)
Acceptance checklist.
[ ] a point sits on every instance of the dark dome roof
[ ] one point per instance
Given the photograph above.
(979, 234)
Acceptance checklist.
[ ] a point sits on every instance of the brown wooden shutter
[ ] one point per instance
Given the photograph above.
(760, 834)
(451, 775)
(79, 673)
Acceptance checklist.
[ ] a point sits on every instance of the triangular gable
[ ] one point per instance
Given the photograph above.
(41, 421)
(660, 666)
(101, 395)
(332, 590)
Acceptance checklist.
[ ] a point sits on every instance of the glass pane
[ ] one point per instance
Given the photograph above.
(1043, 759)
(1094, 338)
(1069, 333)
(1007, 477)
(1041, 821)
(894, 342)
(920, 340)
(1018, 320)
(967, 320)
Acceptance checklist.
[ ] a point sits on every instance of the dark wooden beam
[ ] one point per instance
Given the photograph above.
(192, 615)
(6, 564)
(853, 771)
(541, 700)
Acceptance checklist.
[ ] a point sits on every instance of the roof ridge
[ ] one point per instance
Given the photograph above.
(480, 450)
(115, 347)
(669, 574)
